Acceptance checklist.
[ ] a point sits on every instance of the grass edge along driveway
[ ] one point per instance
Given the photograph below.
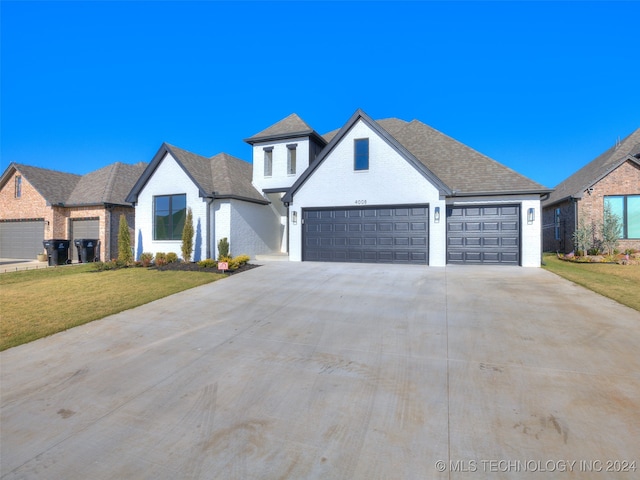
(39, 303)
(617, 282)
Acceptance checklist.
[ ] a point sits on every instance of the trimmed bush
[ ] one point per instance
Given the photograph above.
(208, 263)
(172, 257)
(146, 259)
(161, 259)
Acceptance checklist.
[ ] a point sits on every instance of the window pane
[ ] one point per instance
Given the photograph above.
(291, 167)
(633, 216)
(178, 215)
(361, 161)
(268, 162)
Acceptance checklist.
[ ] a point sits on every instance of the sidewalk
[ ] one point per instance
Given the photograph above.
(14, 265)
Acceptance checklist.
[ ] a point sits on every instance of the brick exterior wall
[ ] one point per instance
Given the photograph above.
(30, 205)
(567, 225)
(58, 219)
(624, 180)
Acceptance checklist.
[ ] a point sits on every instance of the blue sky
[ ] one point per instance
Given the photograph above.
(542, 87)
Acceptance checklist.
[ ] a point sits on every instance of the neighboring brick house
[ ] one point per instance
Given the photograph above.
(37, 204)
(614, 176)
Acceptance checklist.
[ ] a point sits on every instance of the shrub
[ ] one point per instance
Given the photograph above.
(187, 237)
(611, 228)
(581, 236)
(161, 259)
(242, 259)
(172, 257)
(110, 265)
(223, 248)
(208, 263)
(146, 259)
(593, 251)
(124, 242)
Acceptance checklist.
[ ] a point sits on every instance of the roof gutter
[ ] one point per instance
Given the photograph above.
(455, 193)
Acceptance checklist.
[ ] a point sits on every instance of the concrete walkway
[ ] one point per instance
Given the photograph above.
(335, 371)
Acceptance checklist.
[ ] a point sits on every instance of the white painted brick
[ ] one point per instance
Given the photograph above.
(168, 179)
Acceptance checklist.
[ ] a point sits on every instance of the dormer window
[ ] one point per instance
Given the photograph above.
(268, 161)
(361, 154)
(291, 159)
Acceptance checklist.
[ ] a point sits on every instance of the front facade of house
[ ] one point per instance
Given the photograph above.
(222, 200)
(372, 195)
(38, 204)
(613, 177)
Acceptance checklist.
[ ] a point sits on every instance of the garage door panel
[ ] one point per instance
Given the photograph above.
(376, 235)
(483, 234)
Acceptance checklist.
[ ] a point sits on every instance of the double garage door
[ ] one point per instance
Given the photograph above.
(400, 234)
(394, 234)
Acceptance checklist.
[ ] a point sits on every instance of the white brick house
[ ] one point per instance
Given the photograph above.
(222, 200)
(392, 191)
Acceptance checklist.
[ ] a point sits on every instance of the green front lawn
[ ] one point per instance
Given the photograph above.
(38, 303)
(618, 282)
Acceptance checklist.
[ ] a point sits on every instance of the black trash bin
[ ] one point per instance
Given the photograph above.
(88, 249)
(57, 251)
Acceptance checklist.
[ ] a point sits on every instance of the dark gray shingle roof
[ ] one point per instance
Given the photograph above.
(292, 126)
(461, 168)
(108, 185)
(575, 185)
(55, 187)
(220, 176)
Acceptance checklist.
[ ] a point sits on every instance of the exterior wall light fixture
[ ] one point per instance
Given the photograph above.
(531, 216)
(436, 215)
(294, 217)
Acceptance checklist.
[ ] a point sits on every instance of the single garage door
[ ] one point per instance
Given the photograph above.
(83, 228)
(483, 234)
(394, 234)
(21, 239)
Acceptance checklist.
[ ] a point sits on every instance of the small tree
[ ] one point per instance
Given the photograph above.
(223, 248)
(582, 237)
(124, 242)
(610, 229)
(187, 236)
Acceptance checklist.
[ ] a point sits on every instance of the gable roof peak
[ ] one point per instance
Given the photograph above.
(575, 185)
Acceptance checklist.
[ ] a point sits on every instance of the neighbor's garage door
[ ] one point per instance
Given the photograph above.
(395, 234)
(83, 228)
(21, 239)
(483, 234)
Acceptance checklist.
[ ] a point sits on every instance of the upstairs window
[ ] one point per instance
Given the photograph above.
(627, 208)
(268, 161)
(18, 186)
(291, 159)
(169, 213)
(361, 154)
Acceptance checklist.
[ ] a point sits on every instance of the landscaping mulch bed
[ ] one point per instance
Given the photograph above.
(194, 267)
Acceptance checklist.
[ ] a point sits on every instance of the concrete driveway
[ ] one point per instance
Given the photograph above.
(338, 371)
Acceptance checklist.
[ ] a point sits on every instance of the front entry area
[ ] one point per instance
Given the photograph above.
(389, 234)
